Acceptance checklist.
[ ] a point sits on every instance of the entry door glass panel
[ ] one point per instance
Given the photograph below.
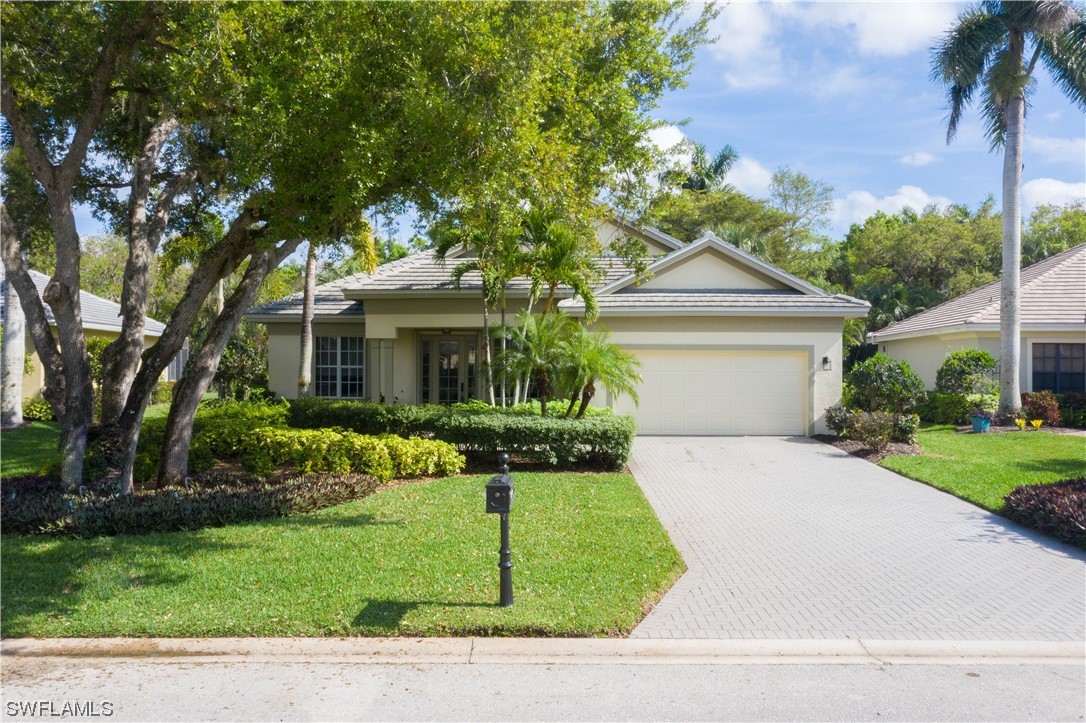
(447, 366)
(448, 372)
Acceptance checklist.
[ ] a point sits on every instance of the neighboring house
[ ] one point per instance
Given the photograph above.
(1053, 299)
(728, 343)
(101, 318)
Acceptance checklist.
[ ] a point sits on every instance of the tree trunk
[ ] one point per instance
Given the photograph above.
(305, 363)
(487, 361)
(504, 345)
(543, 382)
(13, 351)
(572, 401)
(200, 370)
(1010, 323)
(221, 260)
(586, 397)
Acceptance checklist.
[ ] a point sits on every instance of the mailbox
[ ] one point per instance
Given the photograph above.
(499, 490)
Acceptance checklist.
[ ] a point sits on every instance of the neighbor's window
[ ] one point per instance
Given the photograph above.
(340, 366)
(1060, 368)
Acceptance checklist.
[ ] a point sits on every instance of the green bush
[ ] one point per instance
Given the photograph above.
(884, 384)
(32, 505)
(967, 371)
(479, 431)
(1042, 405)
(874, 429)
(37, 410)
(531, 408)
(385, 457)
(905, 428)
(1073, 409)
(943, 408)
(839, 420)
(163, 392)
(1058, 509)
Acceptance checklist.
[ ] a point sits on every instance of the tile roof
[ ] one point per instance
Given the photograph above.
(721, 301)
(98, 313)
(328, 300)
(1053, 293)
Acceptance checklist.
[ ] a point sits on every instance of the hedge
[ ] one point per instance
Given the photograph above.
(1073, 409)
(602, 440)
(884, 384)
(1057, 509)
(386, 457)
(943, 408)
(967, 371)
(32, 505)
(874, 429)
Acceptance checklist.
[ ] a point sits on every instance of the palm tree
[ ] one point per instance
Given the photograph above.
(987, 51)
(591, 358)
(704, 173)
(744, 237)
(558, 257)
(537, 351)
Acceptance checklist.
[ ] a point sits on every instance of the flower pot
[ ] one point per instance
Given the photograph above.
(980, 424)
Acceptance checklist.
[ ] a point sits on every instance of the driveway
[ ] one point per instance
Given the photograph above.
(787, 537)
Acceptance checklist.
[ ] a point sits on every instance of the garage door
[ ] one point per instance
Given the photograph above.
(720, 392)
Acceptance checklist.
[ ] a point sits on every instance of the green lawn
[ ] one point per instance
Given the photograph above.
(983, 468)
(28, 450)
(420, 559)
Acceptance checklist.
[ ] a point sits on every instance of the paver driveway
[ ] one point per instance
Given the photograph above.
(792, 538)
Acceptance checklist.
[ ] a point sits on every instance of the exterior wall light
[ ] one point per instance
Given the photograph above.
(827, 365)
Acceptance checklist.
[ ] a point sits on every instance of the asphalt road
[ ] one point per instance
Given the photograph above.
(187, 690)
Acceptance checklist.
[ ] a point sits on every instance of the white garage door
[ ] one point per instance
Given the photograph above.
(720, 393)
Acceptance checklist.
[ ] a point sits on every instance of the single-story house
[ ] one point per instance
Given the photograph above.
(1053, 302)
(101, 318)
(728, 343)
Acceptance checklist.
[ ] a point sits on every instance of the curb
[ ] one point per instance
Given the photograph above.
(549, 651)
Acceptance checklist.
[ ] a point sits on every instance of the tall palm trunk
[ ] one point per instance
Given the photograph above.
(1010, 311)
(305, 361)
(489, 376)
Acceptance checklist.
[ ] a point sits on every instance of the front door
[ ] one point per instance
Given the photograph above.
(448, 364)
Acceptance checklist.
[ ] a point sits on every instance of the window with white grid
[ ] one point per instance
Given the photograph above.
(340, 367)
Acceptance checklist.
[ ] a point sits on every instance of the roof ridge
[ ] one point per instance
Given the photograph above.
(1069, 254)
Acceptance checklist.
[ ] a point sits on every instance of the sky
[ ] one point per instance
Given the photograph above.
(841, 92)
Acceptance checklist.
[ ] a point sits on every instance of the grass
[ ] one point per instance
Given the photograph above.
(983, 468)
(31, 448)
(421, 559)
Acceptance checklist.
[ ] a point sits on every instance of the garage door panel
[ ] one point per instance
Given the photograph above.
(696, 392)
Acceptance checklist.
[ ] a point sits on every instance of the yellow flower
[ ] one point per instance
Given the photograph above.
(1036, 423)
(1021, 423)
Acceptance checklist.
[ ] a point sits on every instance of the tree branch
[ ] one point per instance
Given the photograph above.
(43, 168)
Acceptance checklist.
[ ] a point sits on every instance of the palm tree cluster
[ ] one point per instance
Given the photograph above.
(565, 360)
(705, 173)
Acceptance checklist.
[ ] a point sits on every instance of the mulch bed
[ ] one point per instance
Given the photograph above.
(861, 450)
(968, 429)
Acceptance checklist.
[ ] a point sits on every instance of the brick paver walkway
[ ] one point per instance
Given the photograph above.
(791, 538)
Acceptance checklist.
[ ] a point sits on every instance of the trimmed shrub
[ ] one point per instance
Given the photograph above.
(555, 408)
(943, 408)
(839, 420)
(37, 410)
(884, 384)
(967, 371)
(905, 428)
(40, 506)
(335, 450)
(1073, 409)
(1057, 509)
(1043, 406)
(600, 440)
(874, 429)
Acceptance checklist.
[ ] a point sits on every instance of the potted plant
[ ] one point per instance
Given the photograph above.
(981, 419)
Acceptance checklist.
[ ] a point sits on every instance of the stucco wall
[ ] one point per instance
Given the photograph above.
(284, 352)
(926, 354)
(819, 337)
(35, 380)
(710, 270)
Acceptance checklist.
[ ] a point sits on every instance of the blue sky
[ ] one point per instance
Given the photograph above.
(840, 91)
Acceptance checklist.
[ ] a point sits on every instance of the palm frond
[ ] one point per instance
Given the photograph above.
(963, 56)
(1042, 17)
(1064, 56)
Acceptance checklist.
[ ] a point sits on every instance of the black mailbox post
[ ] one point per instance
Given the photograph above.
(499, 500)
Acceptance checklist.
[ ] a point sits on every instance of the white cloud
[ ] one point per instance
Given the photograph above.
(745, 47)
(666, 138)
(920, 158)
(884, 28)
(857, 206)
(1051, 191)
(1071, 150)
(750, 177)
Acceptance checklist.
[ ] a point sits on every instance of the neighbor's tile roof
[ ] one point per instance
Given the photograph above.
(98, 313)
(328, 300)
(1053, 292)
(720, 300)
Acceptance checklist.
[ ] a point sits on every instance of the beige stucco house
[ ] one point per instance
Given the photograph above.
(101, 318)
(1053, 302)
(728, 343)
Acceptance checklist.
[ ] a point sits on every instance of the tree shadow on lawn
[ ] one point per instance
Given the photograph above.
(387, 615)
(47, 576)
(336, 518)
(1066, 468)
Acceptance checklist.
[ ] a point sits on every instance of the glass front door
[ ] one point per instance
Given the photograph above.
(448, 364)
